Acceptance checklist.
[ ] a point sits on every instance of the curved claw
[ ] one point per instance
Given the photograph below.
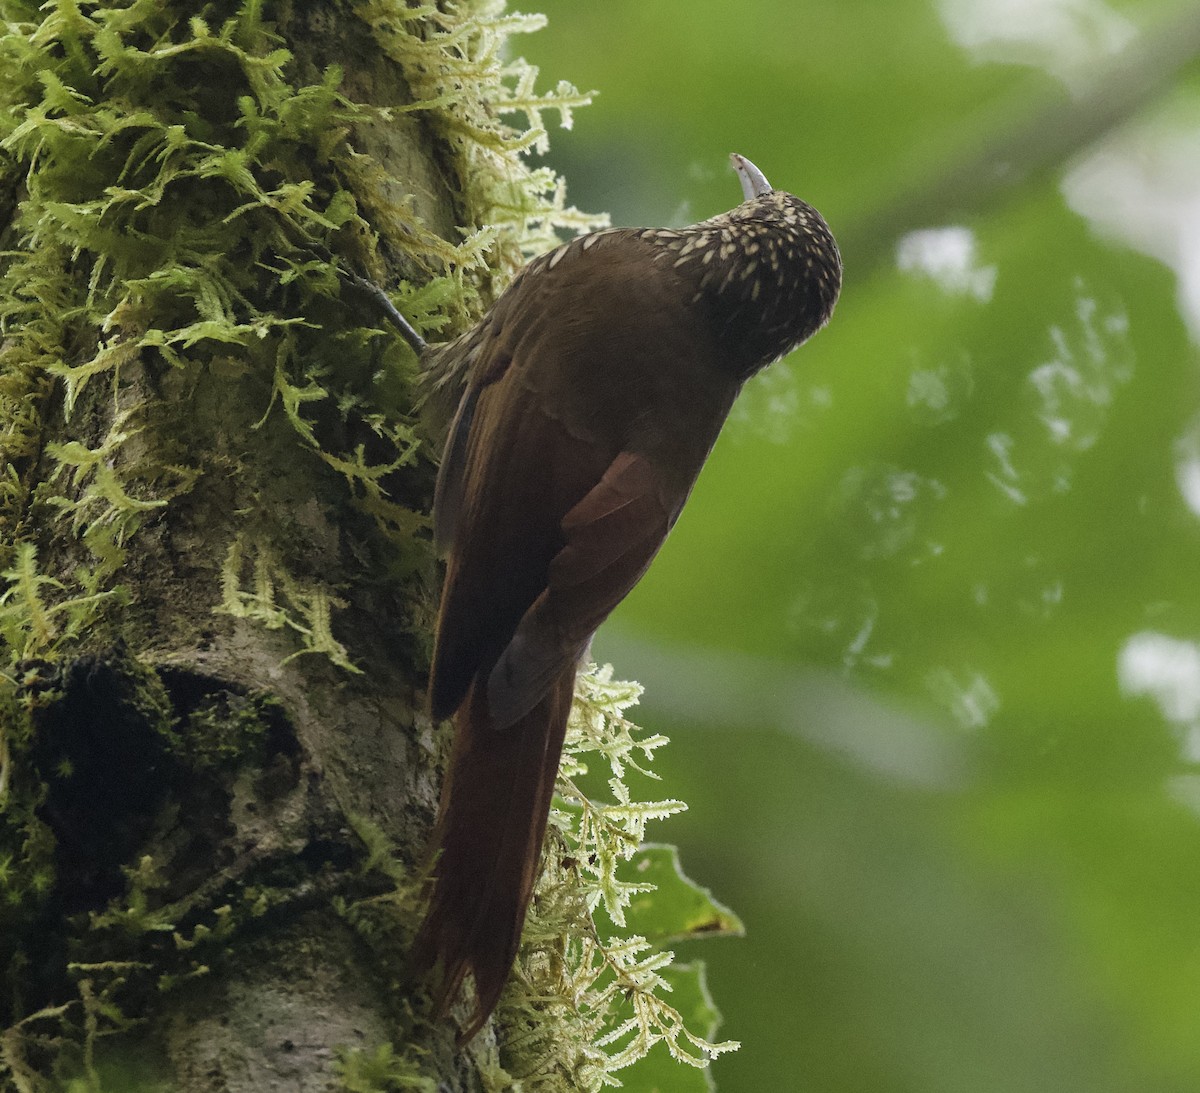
(754, 182)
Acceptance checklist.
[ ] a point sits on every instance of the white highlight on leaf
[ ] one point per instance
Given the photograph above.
(1142, 187)
(947, 256)
(1065, 403)
(1065, 38)
(968, 696)
(1076, 386)
(1166, 670)
(883, 508)
(777, 406)
(939, 390)
(1187, 467)
(1005, 476)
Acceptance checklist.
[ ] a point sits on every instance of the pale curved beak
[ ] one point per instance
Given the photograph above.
(754, 182)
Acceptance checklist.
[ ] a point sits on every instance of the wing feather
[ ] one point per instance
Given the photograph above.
(558, 485)
(611, 537)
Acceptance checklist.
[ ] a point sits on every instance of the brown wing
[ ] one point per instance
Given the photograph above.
(522, 472)
(451, 480)
(492, 362)
(571, 455)
(611, 537)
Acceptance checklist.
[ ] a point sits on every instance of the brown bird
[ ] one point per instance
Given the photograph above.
(596, 386)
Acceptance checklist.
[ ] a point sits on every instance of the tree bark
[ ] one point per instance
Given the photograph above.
(216, 776)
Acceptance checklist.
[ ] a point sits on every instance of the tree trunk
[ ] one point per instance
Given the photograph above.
(216, 777)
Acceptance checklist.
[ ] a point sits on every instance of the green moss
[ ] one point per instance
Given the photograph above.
(382, 1071)
(226, 730)
(261, 588)
(184, 196)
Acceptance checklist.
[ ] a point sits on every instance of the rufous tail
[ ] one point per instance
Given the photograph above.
(492, 821)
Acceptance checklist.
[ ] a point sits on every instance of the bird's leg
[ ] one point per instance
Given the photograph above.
(381, 300)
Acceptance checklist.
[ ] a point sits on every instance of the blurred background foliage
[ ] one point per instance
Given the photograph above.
(927, 638)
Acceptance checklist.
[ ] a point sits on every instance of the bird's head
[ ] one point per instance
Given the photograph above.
(767, 273)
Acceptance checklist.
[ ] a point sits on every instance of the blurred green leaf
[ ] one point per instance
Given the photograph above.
(678, 908)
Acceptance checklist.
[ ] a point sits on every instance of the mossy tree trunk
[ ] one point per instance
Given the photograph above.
(215, 772)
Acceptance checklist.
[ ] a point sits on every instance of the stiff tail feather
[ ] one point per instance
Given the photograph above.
(495, 804)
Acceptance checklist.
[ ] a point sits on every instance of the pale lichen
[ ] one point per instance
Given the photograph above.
(589, 998)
